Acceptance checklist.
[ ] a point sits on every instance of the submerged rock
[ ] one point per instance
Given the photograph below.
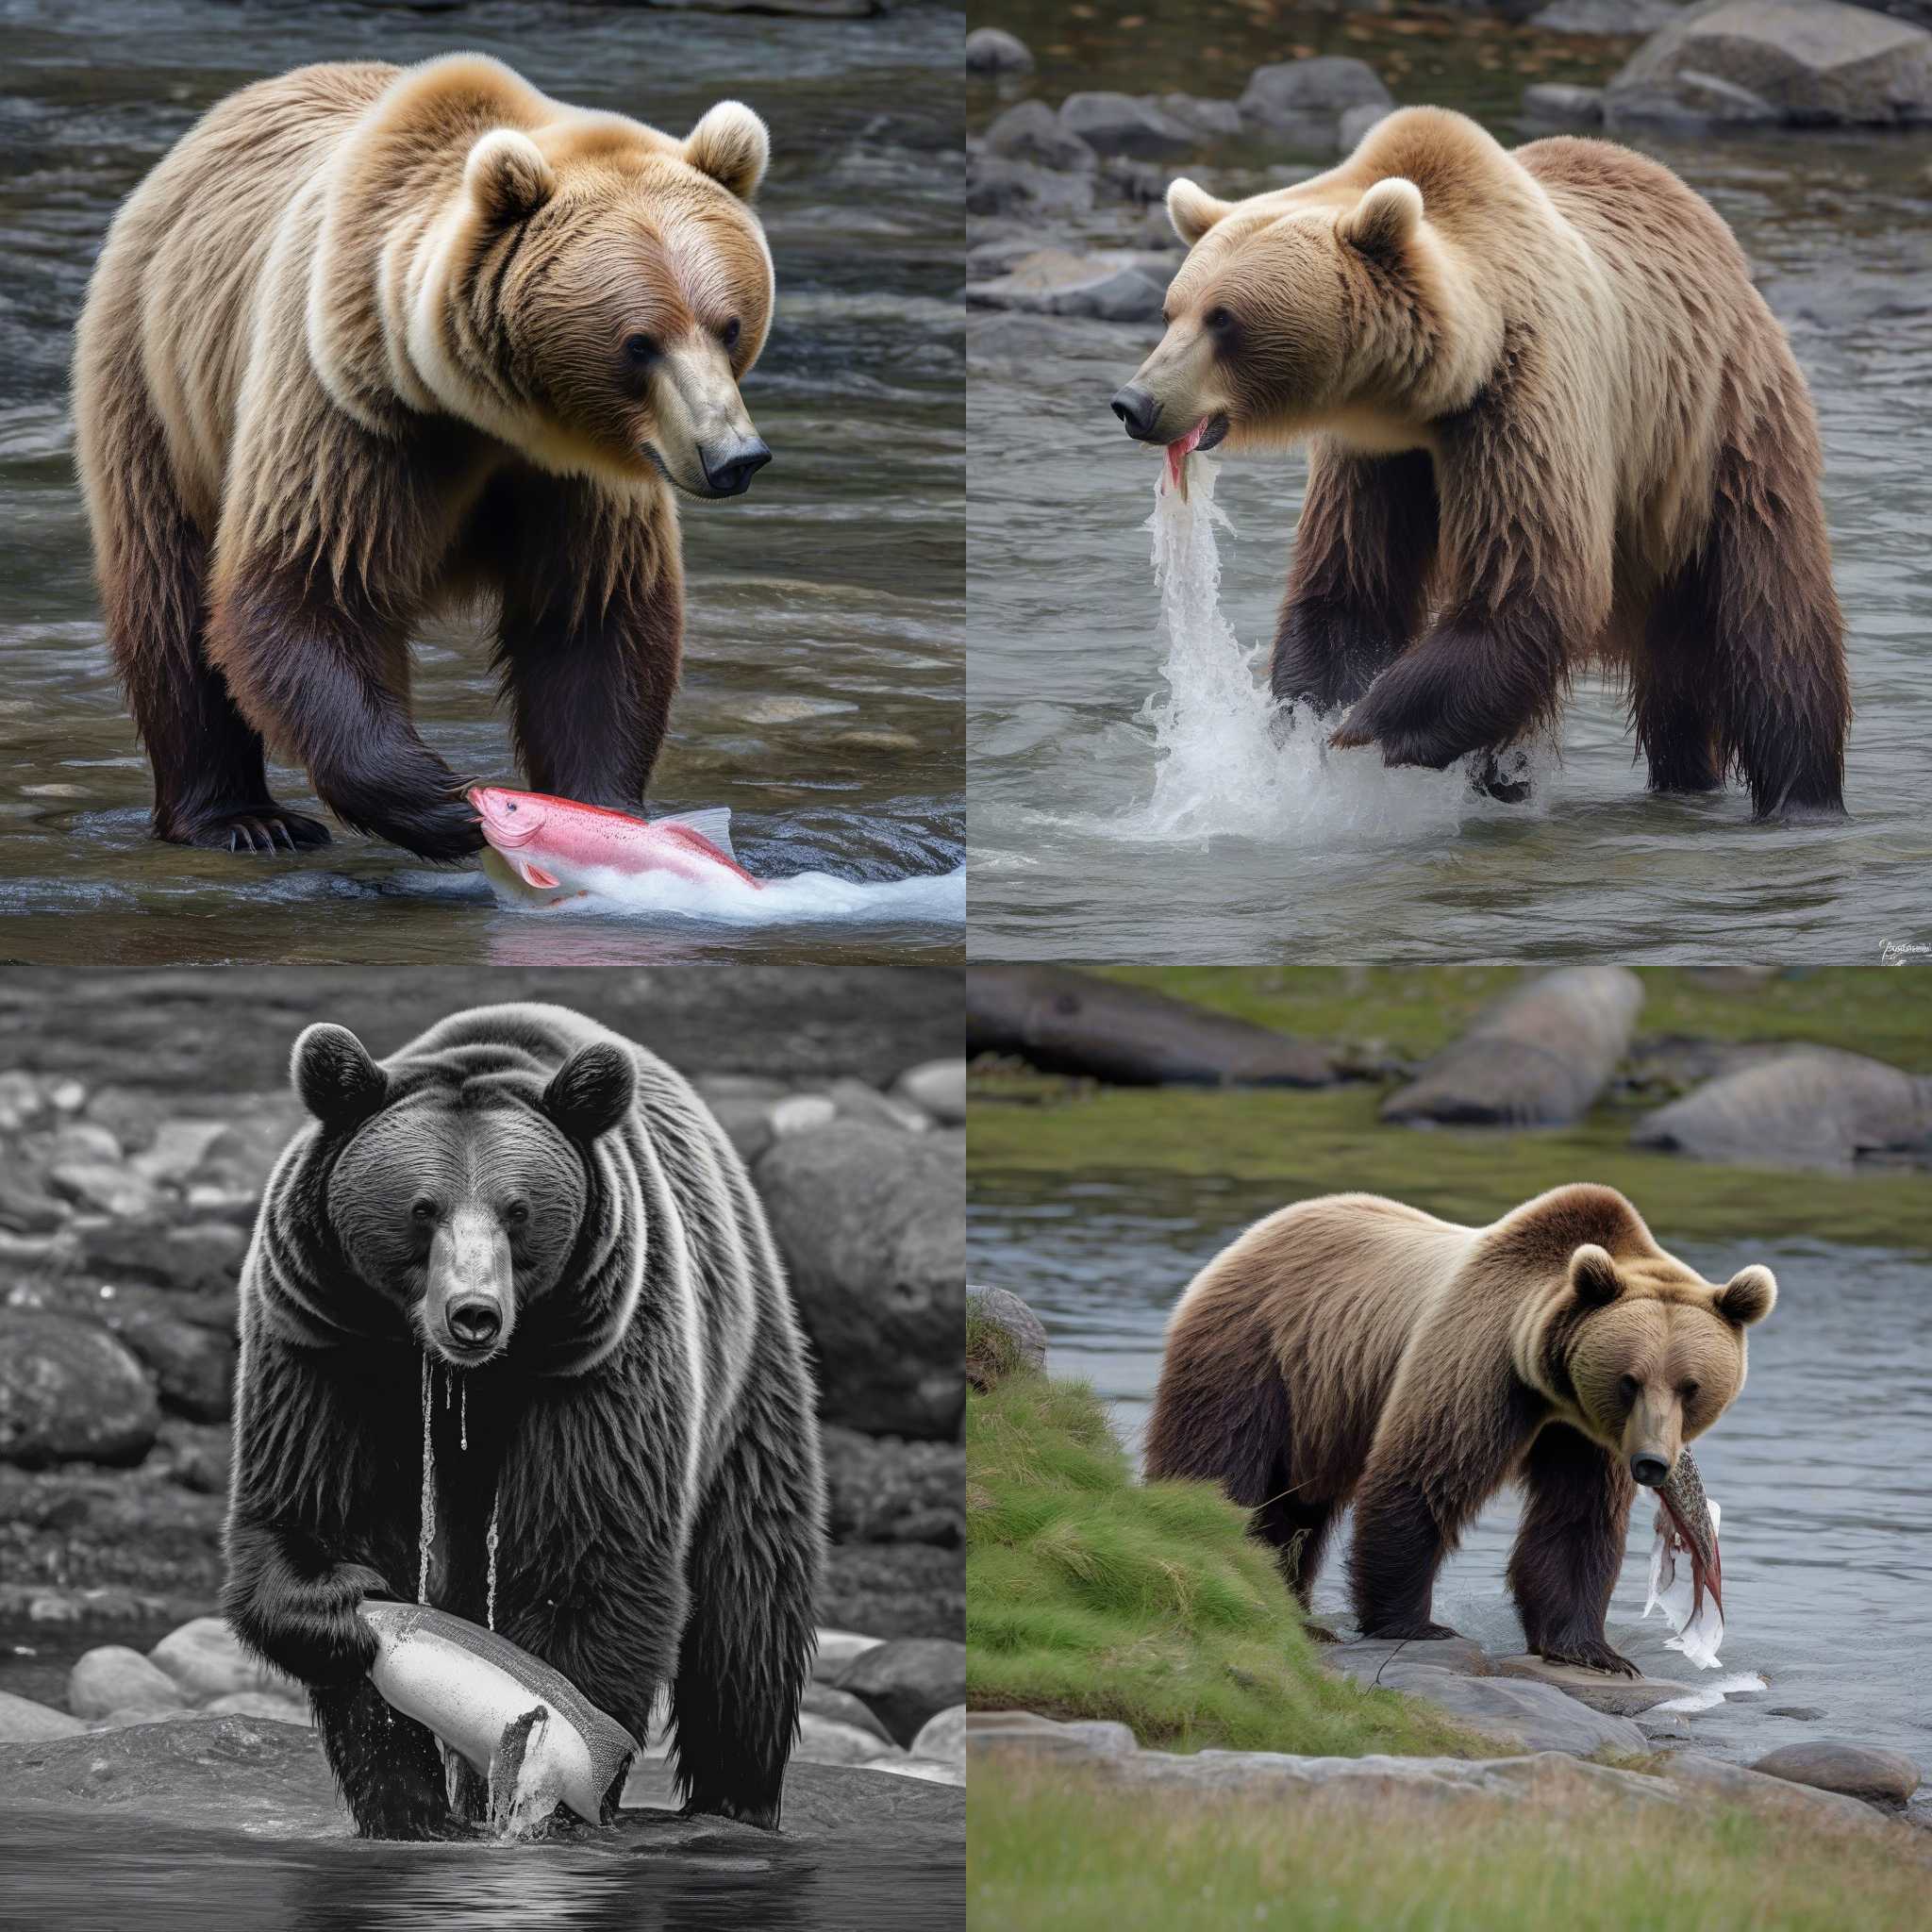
(1600, 1690)
(1802, 63)
(1537, 1057)
(1811, 1107)
(1857, 1770)
(1065, 1022)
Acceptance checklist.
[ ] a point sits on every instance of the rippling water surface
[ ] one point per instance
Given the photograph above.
(1818, 1466)
(1343, 861)
(824, 659)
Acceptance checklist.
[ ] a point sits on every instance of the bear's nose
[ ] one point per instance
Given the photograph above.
(730, 467)
(1649, 1469)
(474, 1321)
(1137, 411)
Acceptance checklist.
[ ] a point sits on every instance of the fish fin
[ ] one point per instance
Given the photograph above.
(712, 825)
(532, 874)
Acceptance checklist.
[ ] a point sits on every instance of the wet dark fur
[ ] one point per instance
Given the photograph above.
(609, 1571)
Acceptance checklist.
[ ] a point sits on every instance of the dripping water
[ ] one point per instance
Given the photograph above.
(425, 1533)
(489, 1543)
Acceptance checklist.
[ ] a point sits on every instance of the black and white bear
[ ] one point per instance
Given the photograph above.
(522, 1255)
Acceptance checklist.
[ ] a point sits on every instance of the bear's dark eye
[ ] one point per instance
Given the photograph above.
(1689, 1391)
(638, 350)
(1626, 1388)
(423, 1208)
(728, 335)
(516, 1213)
(1218, 320)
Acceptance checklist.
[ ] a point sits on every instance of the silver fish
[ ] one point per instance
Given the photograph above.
(1687, 1527)
(521, 1725)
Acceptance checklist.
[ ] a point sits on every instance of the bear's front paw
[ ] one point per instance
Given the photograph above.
(1414, 1630)
(1590, 1655)
(442, 830)
(252, 828)
(316, 1634)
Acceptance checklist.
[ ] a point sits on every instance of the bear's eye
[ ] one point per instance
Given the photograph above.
(1689, 1391)
(1218, 320)
(423, 1208)
(517, 1212)
(1626, 1388)
(638, 350)
(728, 335)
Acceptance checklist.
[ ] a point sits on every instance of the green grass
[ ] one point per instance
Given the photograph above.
(1411, 1010)
(1330, 1141)
(1088, 1595)
(1050, 1853)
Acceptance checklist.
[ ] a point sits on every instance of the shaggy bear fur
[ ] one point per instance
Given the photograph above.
(549, 1217)
(373, 342)
(1553, 425)
(1350, 1349)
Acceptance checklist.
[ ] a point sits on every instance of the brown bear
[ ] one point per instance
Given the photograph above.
(1552, 425)
(1353, 1350)
(375, 341)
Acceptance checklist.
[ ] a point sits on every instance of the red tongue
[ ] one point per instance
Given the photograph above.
(1177, 454)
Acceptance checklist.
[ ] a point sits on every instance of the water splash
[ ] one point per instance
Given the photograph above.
(425, 1533)
(490, 1545)
(464, 1407)
(1226, 760)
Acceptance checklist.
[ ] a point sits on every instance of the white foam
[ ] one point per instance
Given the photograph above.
(806, 898)
(1708, 1696)
(1226, 761)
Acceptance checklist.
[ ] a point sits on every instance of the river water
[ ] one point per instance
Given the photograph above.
(1338, 859)
(1818, 1466)
(824, 667)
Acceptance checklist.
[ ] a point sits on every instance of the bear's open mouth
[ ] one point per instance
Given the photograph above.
(1212, 431)
(1204, 435)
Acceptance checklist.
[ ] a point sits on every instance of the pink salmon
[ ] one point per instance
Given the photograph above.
(554, 844)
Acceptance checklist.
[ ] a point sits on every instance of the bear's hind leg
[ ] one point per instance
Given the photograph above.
(1569, 1549)
(1298, 1532)
(210, 778)
(753, 1568)
(1673, 700)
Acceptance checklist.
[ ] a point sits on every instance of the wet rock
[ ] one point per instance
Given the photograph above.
(991, 50)
(70, 1392)
(943, 1736)
(856, 1101)
(1775, 1799)
(1811, 1107)
(1553, 105)
(937, 1088)
(1365, 1656)
(824, 1740)
(884, 1491)
(836, 1649)
(205, 1660)
(1065, 1022)
(1116, 124)
(1537, 1058)
(800, 1113)
(1024, 1332)
(105, 1186)
(840, 1707)
(1600, 1690)
(1054, 282)
(1879, 1777)
(1536, 1716)
(1209, 120)
(1300, 103)
(1803, 62)
(995, 186)
(24, 1722)
(114, 1678)
(1607, 17)
(908, 1681)
(872, 1228)
(1031, 131)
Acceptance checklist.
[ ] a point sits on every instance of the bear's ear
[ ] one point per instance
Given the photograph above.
(1748, 1297)
(592, 1091)
(1382, 222)
(730, 145)
(1593, 1277)
(338, 1081)
(1192, 210)
(507, 177)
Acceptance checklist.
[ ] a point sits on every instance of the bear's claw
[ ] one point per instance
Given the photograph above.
(260, 828)
(1592, 1656)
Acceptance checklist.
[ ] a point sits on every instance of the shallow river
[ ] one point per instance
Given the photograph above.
(1073, 857)
(1817, 1468)
(823, 655)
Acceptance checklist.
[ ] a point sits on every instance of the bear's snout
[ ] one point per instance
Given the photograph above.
(471, 1307)
(1649, 1469)
(1139, 411)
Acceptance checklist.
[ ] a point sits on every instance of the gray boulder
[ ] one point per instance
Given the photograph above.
(1553, 105)
(1858, 1771)
(114, 1678)
(1807, 63)
(1539, 1056)
(1115, 124)
(69, 1393)
(938, 1088)
(1776, 1800)
(908, 1681)
(1022, 1329)
(990, 50)
(943, 1736)
(1052, 281)
(840, 1706)
(205, 1660)
(872, 1228)
(1299, 104)
(1210, 120)
(995, 186)
(1535, 1716)
(1031, 131)
(1812, 1108)
(24, 1722)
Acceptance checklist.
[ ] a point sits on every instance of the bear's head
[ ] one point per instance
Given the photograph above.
(1332, 306)
(1643, 1352)
(593, 293)
(460, 1201)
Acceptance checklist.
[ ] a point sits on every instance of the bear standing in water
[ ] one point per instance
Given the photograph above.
(1353, 1350)
(1553, 426)
(625, 1479)
(375, 341)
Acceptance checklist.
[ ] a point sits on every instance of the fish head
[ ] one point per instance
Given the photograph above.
(510, 819)
(1653, 1353)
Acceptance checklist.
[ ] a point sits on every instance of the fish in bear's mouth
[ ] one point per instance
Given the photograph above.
(1204, 435)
